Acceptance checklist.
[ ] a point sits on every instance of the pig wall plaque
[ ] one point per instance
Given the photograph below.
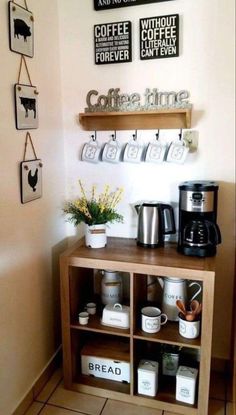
(21, 30)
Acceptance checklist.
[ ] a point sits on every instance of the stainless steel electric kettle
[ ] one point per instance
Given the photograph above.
(155, 220)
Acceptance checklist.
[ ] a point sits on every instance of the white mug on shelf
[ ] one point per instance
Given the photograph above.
(189, 329)
(152, 319)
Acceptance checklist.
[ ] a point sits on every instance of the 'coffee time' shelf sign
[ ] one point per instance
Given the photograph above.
(152, 99)
(159, 37)
(112, 4)
(112, 42)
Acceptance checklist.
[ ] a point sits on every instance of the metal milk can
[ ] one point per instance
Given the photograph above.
(111, 287)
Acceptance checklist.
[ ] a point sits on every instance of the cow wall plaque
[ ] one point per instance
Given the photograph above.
(112, 43)
(113, 4)
(159, 37)
(26, 107)
(21, 30)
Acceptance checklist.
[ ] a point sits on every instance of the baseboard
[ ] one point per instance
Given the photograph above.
(39, 383)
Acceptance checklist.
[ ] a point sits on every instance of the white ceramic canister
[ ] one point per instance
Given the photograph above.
(111, 287)
(148, 377)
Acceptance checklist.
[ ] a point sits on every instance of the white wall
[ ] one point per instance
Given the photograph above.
(31, 234)
(205, 67)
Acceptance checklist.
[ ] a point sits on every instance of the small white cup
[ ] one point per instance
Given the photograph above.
(189, 329)
(151, 319)
(91, 308)
(83, 318)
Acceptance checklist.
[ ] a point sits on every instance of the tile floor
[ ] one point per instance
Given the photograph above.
(55, 400)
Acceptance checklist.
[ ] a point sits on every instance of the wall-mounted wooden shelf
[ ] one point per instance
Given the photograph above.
(137, 120)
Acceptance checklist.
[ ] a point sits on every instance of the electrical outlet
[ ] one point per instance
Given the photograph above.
(190, 138)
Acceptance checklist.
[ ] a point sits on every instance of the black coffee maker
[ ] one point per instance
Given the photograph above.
(199, 233)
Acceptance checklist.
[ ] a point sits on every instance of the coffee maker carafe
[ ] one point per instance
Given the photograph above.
(199, 233)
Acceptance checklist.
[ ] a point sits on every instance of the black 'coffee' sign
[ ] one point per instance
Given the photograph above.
(112, 42)
(112, 4)
(159, 37)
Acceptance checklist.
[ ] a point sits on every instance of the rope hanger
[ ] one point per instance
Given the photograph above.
(22, 60)
(13, 1)
(28, 137)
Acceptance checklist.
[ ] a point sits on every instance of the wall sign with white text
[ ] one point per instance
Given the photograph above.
(159, 37)
(113, 4)
(112, 43)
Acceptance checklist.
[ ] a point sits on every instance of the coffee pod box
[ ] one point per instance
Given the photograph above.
(148, 377)
(186, 379)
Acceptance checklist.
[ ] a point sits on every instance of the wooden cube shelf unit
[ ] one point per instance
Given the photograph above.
(80, 269)
(136, 120)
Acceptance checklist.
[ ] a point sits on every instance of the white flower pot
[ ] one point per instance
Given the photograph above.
(95, 236)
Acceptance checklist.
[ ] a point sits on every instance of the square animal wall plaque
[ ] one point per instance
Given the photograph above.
(26, 107)
(31, 180)
(21, 30)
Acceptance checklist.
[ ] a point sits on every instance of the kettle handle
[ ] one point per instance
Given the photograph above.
(169, 223)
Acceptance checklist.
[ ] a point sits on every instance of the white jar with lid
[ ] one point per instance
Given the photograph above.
(111, 287)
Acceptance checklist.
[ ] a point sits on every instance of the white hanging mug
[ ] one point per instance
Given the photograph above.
(91, 151)
(133, 151)
(177, 151)
(155, 152)
(111, 151)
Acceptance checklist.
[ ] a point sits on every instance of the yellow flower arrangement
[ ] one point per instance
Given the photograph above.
(96, 209)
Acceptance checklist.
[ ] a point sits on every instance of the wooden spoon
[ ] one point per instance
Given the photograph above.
(181, 307)
(195, 307)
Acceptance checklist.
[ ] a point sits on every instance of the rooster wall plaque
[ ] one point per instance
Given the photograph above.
(30, 175)
(31, 180)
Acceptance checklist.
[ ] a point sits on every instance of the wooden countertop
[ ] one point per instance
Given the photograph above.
(123, 254)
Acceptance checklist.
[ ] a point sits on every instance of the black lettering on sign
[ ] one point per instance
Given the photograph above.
(112, 43)
(159, 37)
(113, 4)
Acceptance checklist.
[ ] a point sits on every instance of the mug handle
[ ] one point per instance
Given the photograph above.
(198, 292)
(165, 319)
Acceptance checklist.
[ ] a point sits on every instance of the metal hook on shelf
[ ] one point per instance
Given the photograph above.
(180, 134)
(157, 135)
(135, 136)
(94, 136)
(113, 136)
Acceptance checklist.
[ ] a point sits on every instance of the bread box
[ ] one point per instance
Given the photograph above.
(109, 360)
(116, 315)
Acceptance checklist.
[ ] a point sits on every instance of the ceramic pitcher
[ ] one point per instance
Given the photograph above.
(175, 289)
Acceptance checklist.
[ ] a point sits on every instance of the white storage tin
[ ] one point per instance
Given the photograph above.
(148, 377)
(186, 379)
(116, 315)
